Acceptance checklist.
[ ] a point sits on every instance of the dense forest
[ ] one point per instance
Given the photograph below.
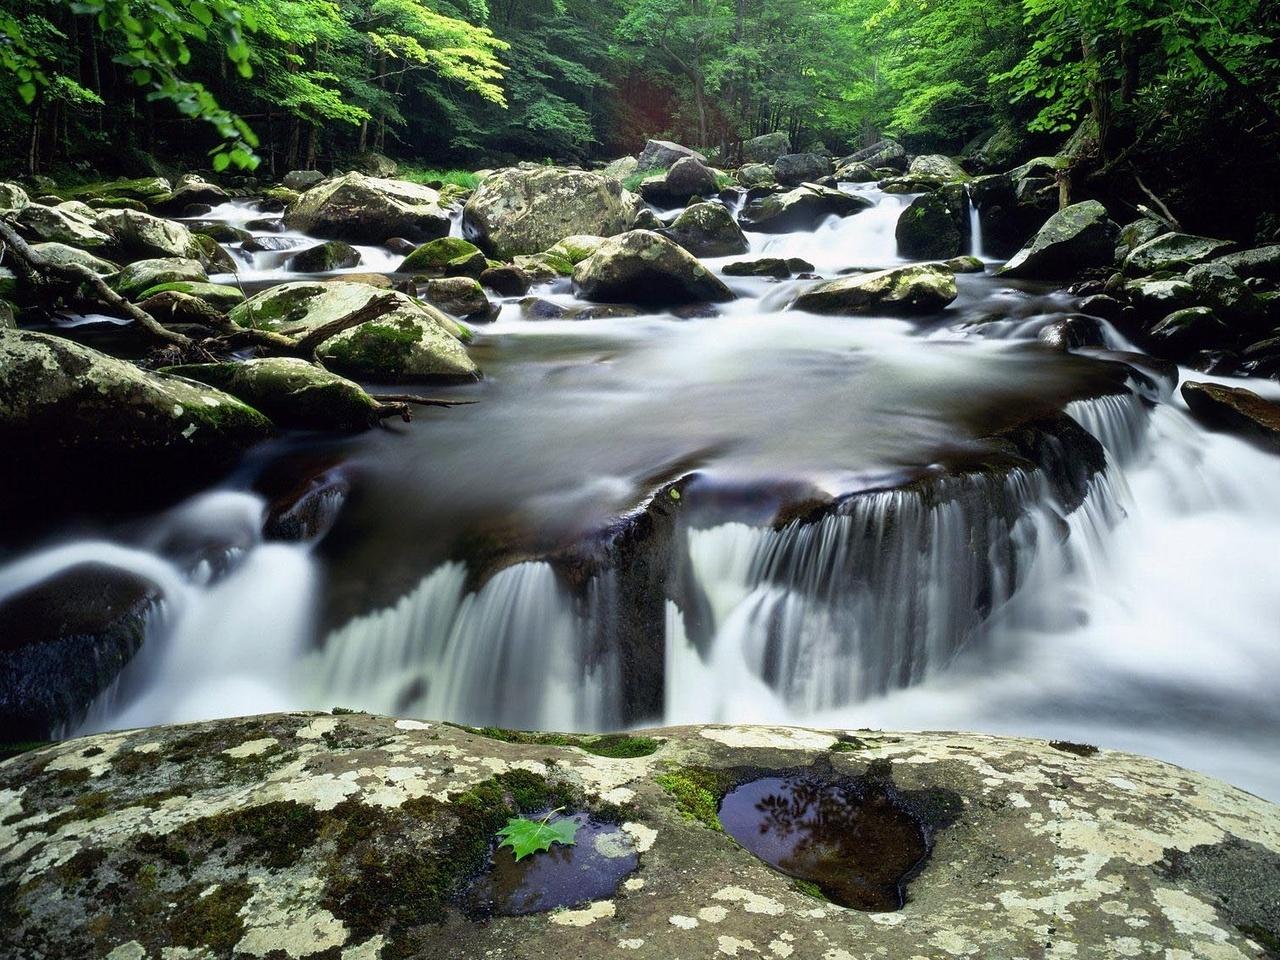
(109, 85)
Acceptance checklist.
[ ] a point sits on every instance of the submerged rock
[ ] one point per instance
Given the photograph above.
(412, 341)
(643, 267)
(926, 288)
(803, 208)
(1078, 238)
(289, 390)
(302, 845)
(1235, 410)
(363, 209)
(707, 230)
(527, 211)
(63, 640)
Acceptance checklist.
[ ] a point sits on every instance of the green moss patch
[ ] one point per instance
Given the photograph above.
(618, 746)
(696, 793)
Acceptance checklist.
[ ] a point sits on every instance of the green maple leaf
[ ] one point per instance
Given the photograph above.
(533, 836)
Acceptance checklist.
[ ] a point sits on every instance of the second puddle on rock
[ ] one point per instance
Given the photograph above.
(854, 841)
(563, 876)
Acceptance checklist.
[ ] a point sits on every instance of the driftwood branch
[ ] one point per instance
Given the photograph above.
(419, 401)
(43, 268)
(1164, 211)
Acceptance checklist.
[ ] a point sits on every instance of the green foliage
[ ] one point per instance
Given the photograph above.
(429, 175)
(525, 836)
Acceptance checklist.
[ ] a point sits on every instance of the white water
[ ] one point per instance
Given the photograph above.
(975, 232)
(1148, 627)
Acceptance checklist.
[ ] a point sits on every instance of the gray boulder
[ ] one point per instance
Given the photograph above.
(1081, 237)
(362, 209)
(755, 174)
(526, 211)
(882, 153)
(140, 235)
(145, 274)
(793, 169)
(660, 154)
(13, 199)
(643, 267)
(324, 257)
(39, 224)
(1235, 410)
(461, 296)
(707, 230)
(301, 180)
(800, 209)
(936, 165)
(932, 227)
(1262, 262)
(1173, 252)
(922, 289)
(766, 148)
(686, 180)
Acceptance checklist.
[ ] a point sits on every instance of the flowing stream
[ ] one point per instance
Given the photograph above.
(809, 549)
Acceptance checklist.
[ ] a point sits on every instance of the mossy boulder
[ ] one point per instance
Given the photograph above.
(938, 166)
(291, 391)
(66, 399)
(214, 257)
(364, 209)
(39, 223)
(803, 208)
(1259, 263)
(142, 191)
(756, 174)
(1078, 238)
(544, 266)
(460, 296)
(324, 258)
(707, 230)
(1191, 329)
(507, 280)
(686, 180)
(527, 211)
(139, 235)
(766, 148)
(643, 267)
(793, 169)
(1157, 298)
(61, 254)
(856, 173)
(1173, 252)
(577, 248)
(13, 199)
(922, 289)
(933, 226)
(219, 296)
(142, 275)
(449, 256)
(413, 341)
(173, 308)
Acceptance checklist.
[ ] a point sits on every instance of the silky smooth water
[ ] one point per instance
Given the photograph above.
(1142, 620)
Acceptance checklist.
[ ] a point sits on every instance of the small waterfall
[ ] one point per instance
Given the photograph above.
(975, 229)
(1118, 422)
(514, 653)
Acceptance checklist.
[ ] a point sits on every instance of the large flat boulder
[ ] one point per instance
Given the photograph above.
(1173, 252)
(526, 211)
(1080, 237)
(363, 209)
(660, 154)
(413, 341)
(926, 288)
(643, 267)
(1235, 410)
(311, 836)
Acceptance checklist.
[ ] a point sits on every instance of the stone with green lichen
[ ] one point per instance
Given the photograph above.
(212, 255)
(577, 248)
(217, 295)
(363, 209)
(1078, 238)
(931, 227)
(291, 391)
(324, 257)
(645, 268)
(543, 266)
(63, 255)
(707, 230)
(413, 341)
(142, 275)
(13, 199)
(755, 175)
(450, 256)
(96, 404)
(40, 223)
(138, 235)
(925, 288)
(1173, 252)
(460, 296)
(147, 190)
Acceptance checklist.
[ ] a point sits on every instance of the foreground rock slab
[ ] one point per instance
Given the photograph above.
(327, 836)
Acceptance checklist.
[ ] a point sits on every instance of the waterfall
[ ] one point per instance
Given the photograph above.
(975, 229)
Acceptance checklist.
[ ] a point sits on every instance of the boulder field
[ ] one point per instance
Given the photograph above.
(358, 836)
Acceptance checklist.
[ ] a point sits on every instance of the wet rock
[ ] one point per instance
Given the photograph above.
(544, 266)
(965, 264)
(707, 230)
(1172, 252)
(1135, 234)
(325, 257)
(938, 166)
(413, 341)
(1262, 262)
(932, 227)
(447, 256)
(291, 391)
(902, 291)
(461, 296)
(764, 267)
(1156, 298)
(643, 267)
(661, 154)
(1101, 305)
(44, 224)
(63, 640)
(1217, 286)
(1235, 410)
(86, 411)
(686, 180)
(882, 153)
(269, 244)
(306, 510)
(1070, 333)
(145, 274)
(803, 208)
(527, 211)
(766, 148)
(219, 231)
(289, 816)
(793, 169)
(302, 180)
(506, 281)
(363, 209)
(1191, 329)
(1075, 239)
(140, 235)
(192, 188)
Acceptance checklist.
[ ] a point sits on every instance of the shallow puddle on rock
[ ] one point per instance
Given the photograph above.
(563, 876)
(854, 841)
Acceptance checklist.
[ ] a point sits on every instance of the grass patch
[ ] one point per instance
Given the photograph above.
(431, 177)
(618, 746)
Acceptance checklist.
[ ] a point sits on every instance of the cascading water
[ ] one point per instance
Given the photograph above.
(914, 594)
(975, 230)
